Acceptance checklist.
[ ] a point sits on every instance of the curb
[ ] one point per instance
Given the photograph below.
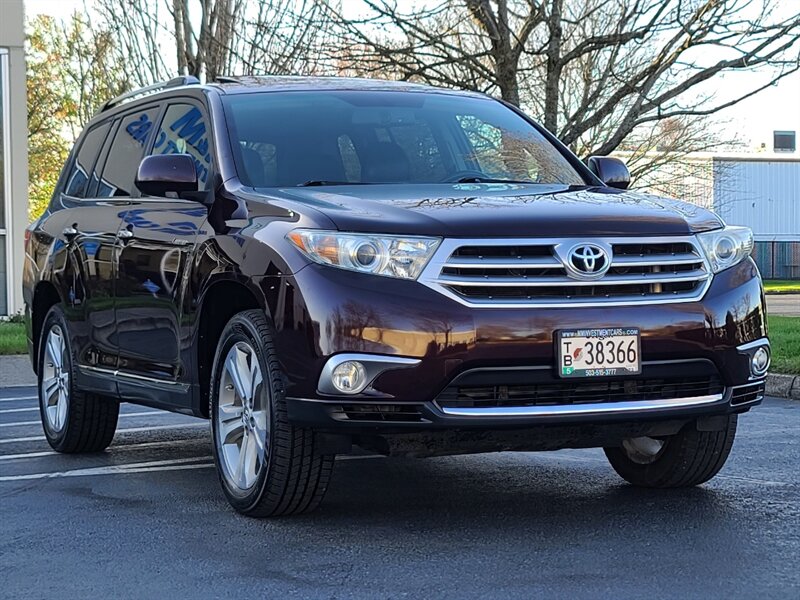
(783, 386)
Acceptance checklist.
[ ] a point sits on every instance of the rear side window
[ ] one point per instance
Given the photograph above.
(83, 168)
(127, 149)
(184, 131)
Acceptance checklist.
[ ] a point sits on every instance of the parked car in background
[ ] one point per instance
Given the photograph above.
(320, 264)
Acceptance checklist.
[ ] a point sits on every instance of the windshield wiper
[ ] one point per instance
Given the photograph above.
(317, 182)
(476, 179)
(573, 187)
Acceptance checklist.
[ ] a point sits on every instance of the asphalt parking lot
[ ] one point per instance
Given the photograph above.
(146, 519)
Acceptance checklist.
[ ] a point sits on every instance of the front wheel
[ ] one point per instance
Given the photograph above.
(266, 466)
(686, 459)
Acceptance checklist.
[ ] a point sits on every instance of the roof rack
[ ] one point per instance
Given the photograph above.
(227, 79)
(156, 87)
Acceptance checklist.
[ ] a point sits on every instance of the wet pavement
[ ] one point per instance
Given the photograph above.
(146, 519)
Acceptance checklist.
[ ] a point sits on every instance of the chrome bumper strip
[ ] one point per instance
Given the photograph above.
(564, 410)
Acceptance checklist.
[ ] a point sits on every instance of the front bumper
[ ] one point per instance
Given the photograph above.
(382, 417)
(323, 312)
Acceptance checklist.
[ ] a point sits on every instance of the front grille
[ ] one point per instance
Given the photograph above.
(571, 393)
(396, 413)
(532, 273)
(747, 393)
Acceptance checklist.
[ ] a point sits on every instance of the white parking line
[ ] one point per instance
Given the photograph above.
(751, 480)
(152, 465)
(148, 413)
(16, 410)
(175, 464)
(4, 411)
(113, 450)
(37, 438)
(18, 398)
(590, 459)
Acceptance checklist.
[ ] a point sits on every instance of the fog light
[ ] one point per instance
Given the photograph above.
(350, 377)
(760, 361)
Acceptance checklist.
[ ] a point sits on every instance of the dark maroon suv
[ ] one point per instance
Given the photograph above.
(321, 264)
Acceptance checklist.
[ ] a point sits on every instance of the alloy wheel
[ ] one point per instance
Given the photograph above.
(643, 450)
(242, 417)
(54, 391)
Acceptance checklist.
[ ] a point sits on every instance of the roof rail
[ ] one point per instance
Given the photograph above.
(227, 79)
(156, 87)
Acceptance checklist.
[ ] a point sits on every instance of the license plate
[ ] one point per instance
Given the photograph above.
(601, 352)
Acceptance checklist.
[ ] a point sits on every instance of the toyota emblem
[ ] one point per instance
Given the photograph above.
(588, 261)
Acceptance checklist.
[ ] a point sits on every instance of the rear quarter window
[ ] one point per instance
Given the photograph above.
(127, 150)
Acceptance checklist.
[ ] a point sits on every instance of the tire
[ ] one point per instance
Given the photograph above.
(73, 420)
(685, 459)
(266, 466)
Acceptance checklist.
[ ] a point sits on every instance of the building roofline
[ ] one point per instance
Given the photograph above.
(723, 156)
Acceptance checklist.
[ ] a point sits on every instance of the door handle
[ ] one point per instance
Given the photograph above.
(70, 232)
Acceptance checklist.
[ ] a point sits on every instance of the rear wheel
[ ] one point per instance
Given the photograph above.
(685, 459)
(266, 466)
(73, 420)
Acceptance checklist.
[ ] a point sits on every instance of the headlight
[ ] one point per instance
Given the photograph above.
(726, 247)
(389, 255)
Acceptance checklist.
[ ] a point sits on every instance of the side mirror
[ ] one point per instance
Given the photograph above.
(166, 175)
(611, 171)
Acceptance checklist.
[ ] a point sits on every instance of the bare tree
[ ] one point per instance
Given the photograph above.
(139, 31)
(207, 50)
(594, 71)
(211, 38)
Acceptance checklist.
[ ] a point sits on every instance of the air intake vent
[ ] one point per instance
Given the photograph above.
(747, 394)
(396, 413)
(574, 393)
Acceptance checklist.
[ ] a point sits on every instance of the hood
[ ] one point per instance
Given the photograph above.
(500, 210)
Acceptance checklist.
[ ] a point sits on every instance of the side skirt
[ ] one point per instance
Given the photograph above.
(139, 389)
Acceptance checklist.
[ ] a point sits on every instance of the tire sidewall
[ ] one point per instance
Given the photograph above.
(55, 316)
(675, 455)
(240, 329)
(653, 471)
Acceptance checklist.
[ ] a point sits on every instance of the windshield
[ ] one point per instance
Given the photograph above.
(355, 137)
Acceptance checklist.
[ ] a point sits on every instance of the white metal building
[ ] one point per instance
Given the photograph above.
(13, 154)
(763, 193)
(760, 192)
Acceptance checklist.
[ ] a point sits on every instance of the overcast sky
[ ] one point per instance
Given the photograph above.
(754, 120)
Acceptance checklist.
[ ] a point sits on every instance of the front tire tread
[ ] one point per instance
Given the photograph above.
(297, 475)
(691, 458)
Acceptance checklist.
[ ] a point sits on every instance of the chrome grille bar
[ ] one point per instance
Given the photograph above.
(660, 259)
(487, 281)
(527, 272)
(504, 263)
